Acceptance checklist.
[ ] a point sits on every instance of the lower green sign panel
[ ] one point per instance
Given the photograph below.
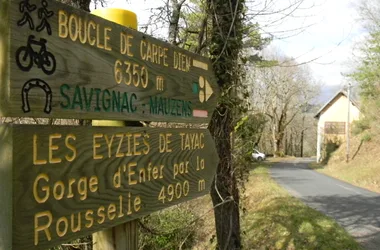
(65, 182)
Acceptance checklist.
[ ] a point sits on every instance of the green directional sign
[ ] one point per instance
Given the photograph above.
(60, 183)
(60, 62)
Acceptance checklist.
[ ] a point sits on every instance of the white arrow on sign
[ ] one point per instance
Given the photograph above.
(205, 91)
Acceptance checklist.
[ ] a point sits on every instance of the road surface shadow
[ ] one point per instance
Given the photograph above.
(354, 208)
(359, 215)
(294, 226)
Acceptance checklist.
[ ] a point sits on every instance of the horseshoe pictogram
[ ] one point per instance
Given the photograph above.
(40, 84)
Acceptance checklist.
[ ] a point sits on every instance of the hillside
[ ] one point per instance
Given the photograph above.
(364, 164)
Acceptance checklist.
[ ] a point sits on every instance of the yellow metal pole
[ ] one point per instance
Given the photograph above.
(125, 236)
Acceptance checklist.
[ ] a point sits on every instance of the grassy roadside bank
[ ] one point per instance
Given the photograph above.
(272, 219)
(275, 220)
(363, 167)
(361, 173)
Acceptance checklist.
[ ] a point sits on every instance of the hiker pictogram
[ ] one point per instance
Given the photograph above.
(26, 8)
(44, 14)
(26, 56)
(32, 84)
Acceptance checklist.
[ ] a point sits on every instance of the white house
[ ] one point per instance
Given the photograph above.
(332, 120)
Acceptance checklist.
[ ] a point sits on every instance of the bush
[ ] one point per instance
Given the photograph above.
(366, 136)
(331, 146)
(279, 154)
(360, 126)
(168, 229)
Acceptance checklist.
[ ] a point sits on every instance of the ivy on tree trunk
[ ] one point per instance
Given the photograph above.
(226, 46)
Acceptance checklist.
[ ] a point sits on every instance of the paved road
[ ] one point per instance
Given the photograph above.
(356, 209)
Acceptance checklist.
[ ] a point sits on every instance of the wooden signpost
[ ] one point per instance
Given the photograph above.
(58, 183)
(60, 62)
(65, 182)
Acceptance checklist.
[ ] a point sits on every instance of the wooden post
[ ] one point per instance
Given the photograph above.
(6, 187)
(121, 237)
(124, 236)
(348, 124)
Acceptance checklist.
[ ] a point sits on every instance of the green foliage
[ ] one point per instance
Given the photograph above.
(267, 63)
(241, 122)
(366, 136)
(367, 74)
(254, 38)
(248, 133)
(250, 128)
(279, 154)
(331, 146)
(359, 126)
(193, 26)
(168, 229)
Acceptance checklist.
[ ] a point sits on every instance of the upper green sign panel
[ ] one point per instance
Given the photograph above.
(60, 62)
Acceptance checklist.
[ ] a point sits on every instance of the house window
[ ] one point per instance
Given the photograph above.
(336, 128)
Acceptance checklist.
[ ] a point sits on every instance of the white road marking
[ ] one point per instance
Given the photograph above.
(350, 189)
(313, 172)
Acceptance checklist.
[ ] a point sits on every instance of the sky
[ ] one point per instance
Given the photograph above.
(322, 33)
(332, 35)
(328, 42)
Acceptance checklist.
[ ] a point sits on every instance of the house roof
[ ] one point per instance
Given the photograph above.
(333, 99)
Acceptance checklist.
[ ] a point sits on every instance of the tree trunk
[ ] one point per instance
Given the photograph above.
(302, 134)
(274, 139)
(201, 36)
(279, 145)
(279, 140)
(301, 154)
(224, 189)
(226, 45)
(288, 144)
(174, 20)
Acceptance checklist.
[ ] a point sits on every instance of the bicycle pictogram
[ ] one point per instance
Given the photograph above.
(26, 56)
